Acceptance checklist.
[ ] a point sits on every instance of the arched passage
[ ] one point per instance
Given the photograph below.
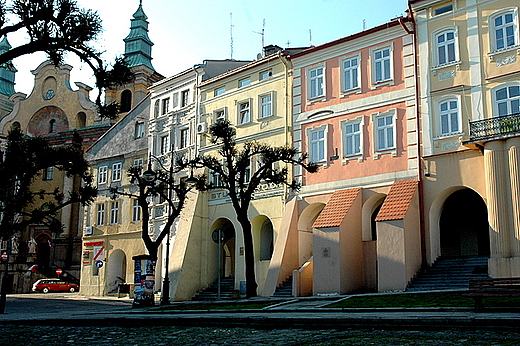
(370, 210)
(263, 234)
(464, 227)
(305, 222)
(227, 253)
(116, 271)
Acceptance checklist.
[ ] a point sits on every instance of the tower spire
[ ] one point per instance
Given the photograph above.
(138, 46)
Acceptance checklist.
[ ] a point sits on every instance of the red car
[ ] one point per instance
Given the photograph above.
(47, 285)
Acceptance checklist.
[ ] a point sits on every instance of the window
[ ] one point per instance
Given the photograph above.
(156, 108)
(165, 106)
(266, 105)
(184, 137)
(48, 173)
(52, 126)
(384, 131)
(163, 145)
(175, 100)
(116, 171)
(244, 82)
(351, 138)
(216, 181)
(446, 52)
(382, 65)
(100, 220)
(443, 9)
(315, 81)
(449, 116)
(138, 163)
(317, 144)
(185, 98)
(350, 73)
(114, 212)
(220, 114)
(265, 74)
(136, 210)
(126, 100)
(508, 100)
(244, 112)
(219, 91)
(505, 30)
(102, 175)
(139, 130)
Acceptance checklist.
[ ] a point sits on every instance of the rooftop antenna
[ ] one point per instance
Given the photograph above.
(310, 38)
(262, 33)
(364, 24)
(230, 31)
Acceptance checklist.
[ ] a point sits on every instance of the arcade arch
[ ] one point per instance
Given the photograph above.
(227, 253)
(116, 271)
(305, 222)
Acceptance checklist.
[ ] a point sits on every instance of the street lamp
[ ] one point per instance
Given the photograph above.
(149, 175)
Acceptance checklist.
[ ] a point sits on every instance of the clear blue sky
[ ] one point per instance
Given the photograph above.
(187, 32)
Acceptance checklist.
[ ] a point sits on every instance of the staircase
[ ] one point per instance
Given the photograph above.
(284, 290)
(227, 291)
(449, 274)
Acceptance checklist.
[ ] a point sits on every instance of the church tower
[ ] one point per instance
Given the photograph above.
(138, 54)
(7, 75)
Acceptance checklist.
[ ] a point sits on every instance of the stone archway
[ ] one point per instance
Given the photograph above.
(116, 271)
(464, 226)
(227, 253)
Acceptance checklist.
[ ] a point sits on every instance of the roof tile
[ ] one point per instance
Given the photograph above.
(397, 202)
(337, 208)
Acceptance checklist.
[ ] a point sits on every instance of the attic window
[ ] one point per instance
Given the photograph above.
(443, 9)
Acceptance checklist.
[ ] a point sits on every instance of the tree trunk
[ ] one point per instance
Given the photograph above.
(249, 254)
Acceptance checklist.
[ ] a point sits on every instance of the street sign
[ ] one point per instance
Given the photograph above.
(59, 271)
(99, 264)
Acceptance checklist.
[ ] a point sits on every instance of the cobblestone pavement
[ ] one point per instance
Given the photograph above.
(14, 335)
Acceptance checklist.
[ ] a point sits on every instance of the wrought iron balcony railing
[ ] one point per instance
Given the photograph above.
(496, 127)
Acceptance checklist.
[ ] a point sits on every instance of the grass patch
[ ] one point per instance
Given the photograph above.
(218, 306)
(420, 300)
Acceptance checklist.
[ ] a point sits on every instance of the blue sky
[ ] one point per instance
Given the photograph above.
(187, 32)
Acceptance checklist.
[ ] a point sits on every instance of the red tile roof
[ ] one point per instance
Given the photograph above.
(337, 208)
(397, 202)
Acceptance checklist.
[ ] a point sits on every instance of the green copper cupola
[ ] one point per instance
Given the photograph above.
(138, 46)
(7, 71)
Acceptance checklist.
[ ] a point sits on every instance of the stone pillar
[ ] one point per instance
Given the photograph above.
(513, 147)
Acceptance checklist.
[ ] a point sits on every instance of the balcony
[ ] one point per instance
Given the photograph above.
(494, 128)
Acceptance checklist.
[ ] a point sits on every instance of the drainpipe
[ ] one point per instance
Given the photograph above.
(413, 32)
(288, 113)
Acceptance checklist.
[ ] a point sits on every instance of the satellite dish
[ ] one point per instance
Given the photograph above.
(259, 56)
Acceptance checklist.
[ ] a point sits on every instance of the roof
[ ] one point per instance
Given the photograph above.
(337, 208)
(398, 201)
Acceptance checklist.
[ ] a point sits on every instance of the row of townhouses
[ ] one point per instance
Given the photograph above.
(415, 125)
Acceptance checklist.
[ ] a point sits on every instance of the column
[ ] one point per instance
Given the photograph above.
(513, 146)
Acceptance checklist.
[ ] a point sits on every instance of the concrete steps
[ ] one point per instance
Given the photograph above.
(284, 289)
(449, 274)
(227, 291)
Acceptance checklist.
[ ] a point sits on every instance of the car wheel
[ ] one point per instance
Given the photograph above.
(72, 290)
(45, 290)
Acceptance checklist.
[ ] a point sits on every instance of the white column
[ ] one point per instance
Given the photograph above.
(513, 146)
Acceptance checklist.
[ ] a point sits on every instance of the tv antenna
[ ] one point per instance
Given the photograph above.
(231, 32)
(262, 33)
(310, 38)
(364, 24)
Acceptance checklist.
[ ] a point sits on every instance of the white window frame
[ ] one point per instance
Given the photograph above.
(136, 210)
(374, 63)
(49, 173)
(102, 175)
(492, 31)
(449, 114)
(164, 144)
(175, 100)
(436, 45)
(356, 79)
(184, 138)
(165, 105)
(261, 104)
(266, 74)
(496, 109)
(117, 169)
(309, 80)
(100, 214)
(359, 134)
(219, 91)
(139, 129)
(114, 212)
(311, 144)
(240, 110)
(185, 98)
(378, 148)
(244, 82)
(217, 112)
(139, 162)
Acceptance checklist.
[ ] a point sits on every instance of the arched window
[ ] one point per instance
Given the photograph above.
(52, 126)
(507, 100)
(504, 29)
(126, 100)
(266, 241)
(82, 119)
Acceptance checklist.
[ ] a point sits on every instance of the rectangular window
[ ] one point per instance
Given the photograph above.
(139, 130)
(265, 74)
(116, 171)
(244, 82)
(316, 82)
(102, 175)
(317, 145)
(114, 212)
(244, 112)
(443, 9)
(266, 106)
(100, 220)
(165, 106)
(505, 31)
(508, 100)
(382, 65)
(48, 174)
(350, 74)
(449, 115)
(215, 180)
(138, 163)
(446, 48)
(136, 210)
(220, 114)
(185, 98)
(352, 138)
(385, 132)
(184, 137)
(163, 145)
(219, 91)
(175, 100)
